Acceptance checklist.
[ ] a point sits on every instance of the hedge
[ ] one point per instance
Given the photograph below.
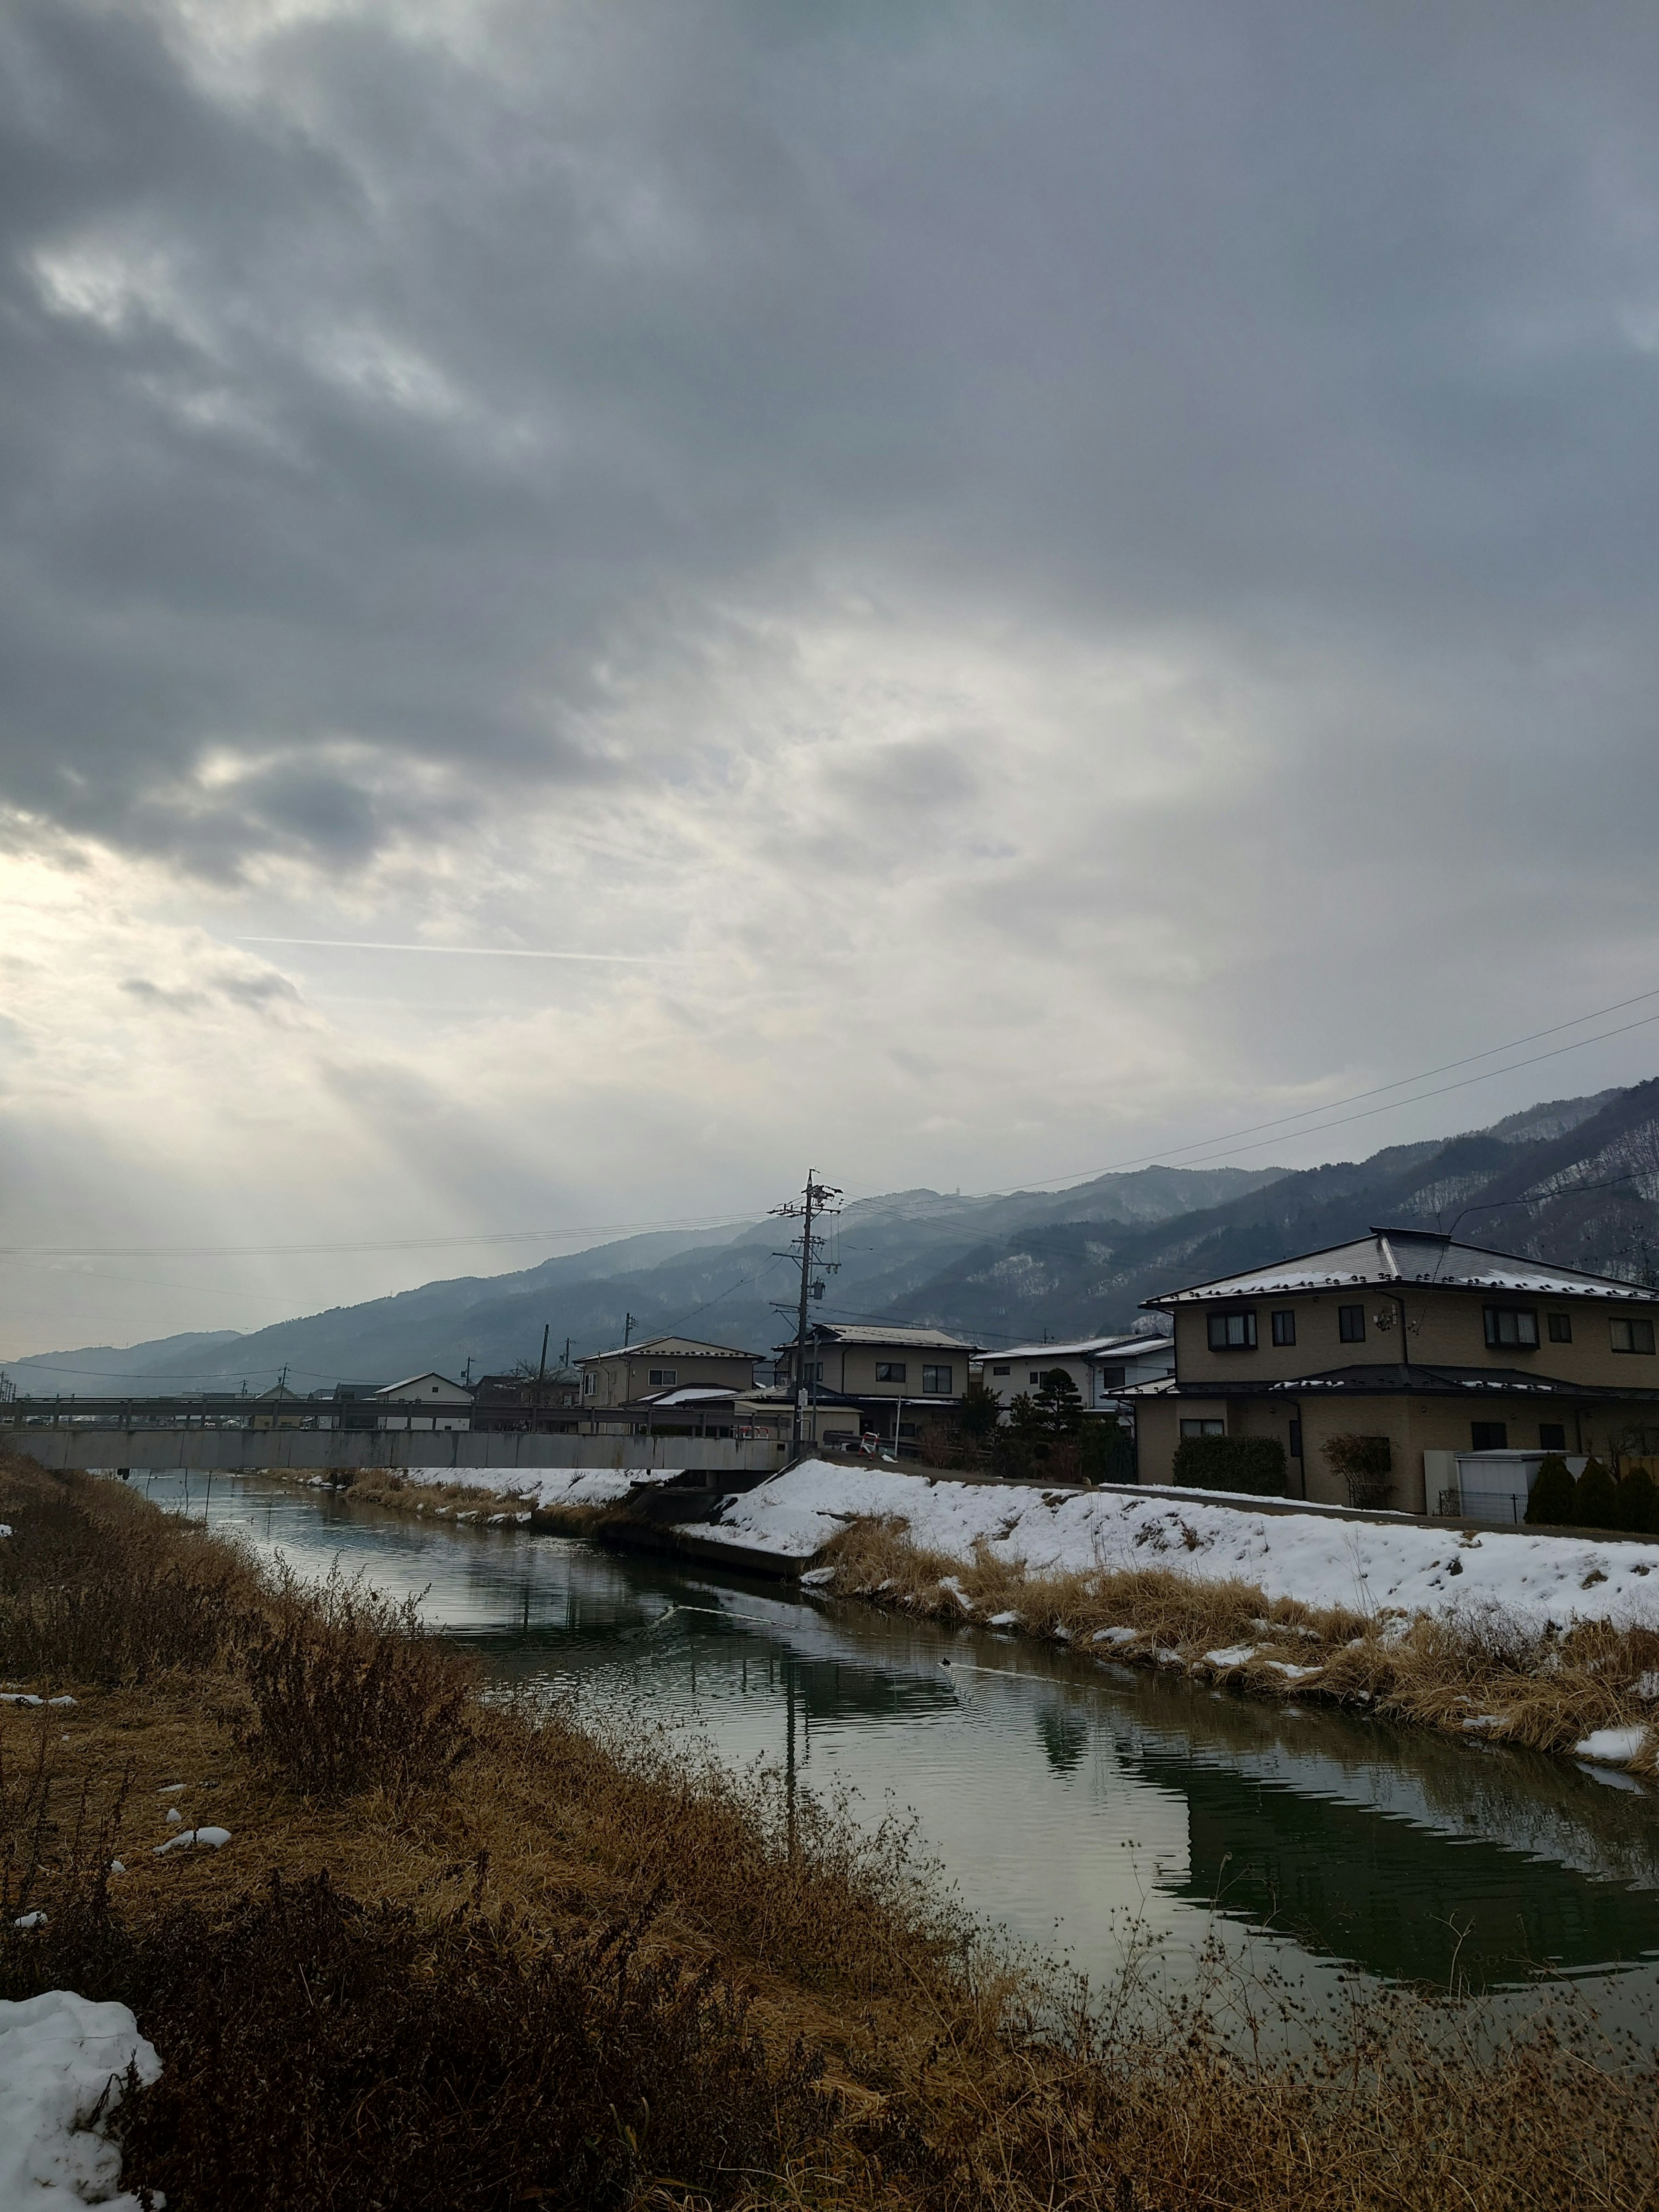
(1255, 1464)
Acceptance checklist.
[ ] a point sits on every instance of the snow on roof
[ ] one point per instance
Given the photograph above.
(1086, 1348)
(704, 1397)
(418, 1385)
(676, 1347)
(1415, 1256)
(924, 1339)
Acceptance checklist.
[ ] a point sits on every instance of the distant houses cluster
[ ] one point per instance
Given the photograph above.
(1437, 1371)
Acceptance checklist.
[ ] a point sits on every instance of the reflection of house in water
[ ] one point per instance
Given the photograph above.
(1406, 1901)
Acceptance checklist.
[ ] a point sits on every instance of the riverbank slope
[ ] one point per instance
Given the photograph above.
(402, 1945)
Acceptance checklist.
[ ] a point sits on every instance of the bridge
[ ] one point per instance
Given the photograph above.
(244, 1435)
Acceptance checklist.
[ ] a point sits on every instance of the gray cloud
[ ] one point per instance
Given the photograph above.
(361, 413)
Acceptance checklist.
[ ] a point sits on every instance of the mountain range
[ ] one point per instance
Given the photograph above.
(1575, 1181)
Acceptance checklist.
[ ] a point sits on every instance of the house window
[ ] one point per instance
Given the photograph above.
(662, 1376)
(1490, 1436)
(999, 1370)
(889, 1370)
(1511, 1328)
(1633, 1336)
(1203, 1428)
(1232, 1331)
(1552, 1435)
(936, 1382)
(1560, 1329)
(1113, 1378)
(1351, 1324)
(1284, 1329)
(812, 1370)
(1296, 1439)
(587, 1386)
(1037, 1374)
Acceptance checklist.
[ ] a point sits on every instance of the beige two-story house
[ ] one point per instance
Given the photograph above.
(885, 1376)
(1437, 1346)
(612, 1380)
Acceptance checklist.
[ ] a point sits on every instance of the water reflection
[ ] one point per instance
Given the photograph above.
(1065, 1796)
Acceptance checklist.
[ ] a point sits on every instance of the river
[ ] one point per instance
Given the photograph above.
(1081, 1804)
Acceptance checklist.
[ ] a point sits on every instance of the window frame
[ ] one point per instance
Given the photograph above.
(1560, 1327)
(1283, 1327)
(1502, 1430)
(1223, 1319)
(1493, 1321)
(1344, 1333)
(1552, 1435)
(663, 1378)
(935, 1389)
(1200, 1424)
(1635, 1326)
(890, 1370)
(999, 1370)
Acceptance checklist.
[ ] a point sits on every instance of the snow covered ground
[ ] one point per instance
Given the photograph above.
(540, 1488)
(1315, 1556)
(62, 2061)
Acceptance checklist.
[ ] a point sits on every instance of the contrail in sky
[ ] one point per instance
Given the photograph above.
(488, 952)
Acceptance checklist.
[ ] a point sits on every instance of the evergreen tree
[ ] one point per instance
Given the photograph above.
(1639, 1502)
(1596, 1498)
(1550, 1505)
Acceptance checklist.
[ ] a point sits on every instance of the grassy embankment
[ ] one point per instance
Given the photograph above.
(457, 1956)
(1480, 1672)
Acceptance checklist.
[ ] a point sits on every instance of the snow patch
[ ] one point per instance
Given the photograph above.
(62, 2060)
(212, 1837)
(1613, 1747)
(1232, 1655)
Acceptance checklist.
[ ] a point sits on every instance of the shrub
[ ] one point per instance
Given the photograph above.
(350, 1694)
(1639, 1502)
(1108, 1456)
(1365, 1465)
(319, 2052)
(1550, 1501)
(1255, 1464)
(1596, 1498)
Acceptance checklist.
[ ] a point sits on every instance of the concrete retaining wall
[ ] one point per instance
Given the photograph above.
(244, 1451)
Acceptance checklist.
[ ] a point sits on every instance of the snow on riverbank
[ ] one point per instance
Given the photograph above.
(538, 1489)
(62, 2063)
(1318, 1558)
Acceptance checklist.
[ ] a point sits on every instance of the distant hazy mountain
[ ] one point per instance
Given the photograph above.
(1575, 1181)
(721, 1283)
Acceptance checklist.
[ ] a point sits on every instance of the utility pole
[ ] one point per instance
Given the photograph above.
(816, 1199)
(541, 1375)
(628, 1330)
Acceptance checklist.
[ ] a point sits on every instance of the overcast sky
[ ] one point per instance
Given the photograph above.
(1043, 583)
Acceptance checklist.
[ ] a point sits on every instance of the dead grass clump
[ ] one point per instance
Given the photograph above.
(351, 1694)
(321, 2051)
(94, 1588)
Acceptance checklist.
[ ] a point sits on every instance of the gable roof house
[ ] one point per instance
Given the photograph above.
(443, 1404)
(877, 1373)
(1442, 1348)
(1101, 1367)
(614, 1381)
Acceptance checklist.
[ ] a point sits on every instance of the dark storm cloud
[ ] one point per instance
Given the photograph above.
(354, 419)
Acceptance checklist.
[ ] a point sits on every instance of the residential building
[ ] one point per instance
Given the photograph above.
(1404, 1334)
(443, 1404)
(346, 1406)
(548, 1402)
(614, 1380)
(883, 1378)
(1101, 1368)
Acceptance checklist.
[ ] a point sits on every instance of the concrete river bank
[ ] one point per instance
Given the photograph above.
(1082, 1805)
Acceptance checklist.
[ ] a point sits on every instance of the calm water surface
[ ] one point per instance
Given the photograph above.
(1068, 1799)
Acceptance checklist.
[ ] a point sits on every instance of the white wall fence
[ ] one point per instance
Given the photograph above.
(244, 1451)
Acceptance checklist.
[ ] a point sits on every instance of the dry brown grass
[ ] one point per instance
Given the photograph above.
(571, 1970)
(1546, 1691)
